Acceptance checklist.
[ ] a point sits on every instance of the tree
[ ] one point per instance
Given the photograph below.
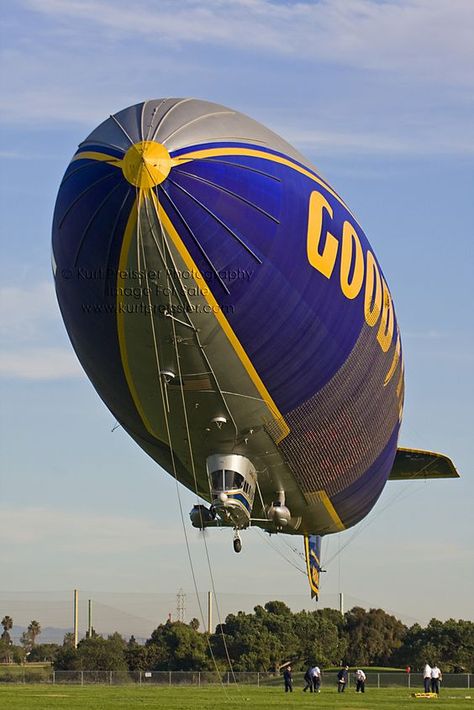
(34, 630)
(92, 654)
(68, 639)
(7, 623)
(117, 639)
(25, 641)
(5, 651)
(177, 646)
(29, 636)
(141, 658)
(66, 658)
(449, 643)
(272, 634)
(19, 654)
(43, 652)
(5, 640)
(278, 608)
(373, 636)
(318, 637)
(102, 654)
(259, 641)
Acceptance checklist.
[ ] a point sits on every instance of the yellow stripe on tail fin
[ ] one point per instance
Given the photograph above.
(312, 548)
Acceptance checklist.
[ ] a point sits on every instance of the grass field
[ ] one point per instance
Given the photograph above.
(40, 697)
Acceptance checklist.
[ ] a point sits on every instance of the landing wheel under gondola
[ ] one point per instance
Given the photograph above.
(237, 543)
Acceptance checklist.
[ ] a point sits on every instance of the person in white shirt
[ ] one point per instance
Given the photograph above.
(436, 677)
(427, 677)
(360, 681)
(316, 676)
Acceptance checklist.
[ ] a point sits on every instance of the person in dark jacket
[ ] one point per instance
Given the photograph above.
(342, 678)
(308, 679)
(287, 677)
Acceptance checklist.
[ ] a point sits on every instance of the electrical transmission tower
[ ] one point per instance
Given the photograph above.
(181, 605)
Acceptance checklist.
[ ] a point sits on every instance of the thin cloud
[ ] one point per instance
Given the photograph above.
(416, 53)
(426, 335)
(82, 531)
(445, 551)
(24, 311)
(332, 142)
(445, 346)
(29, 329)
(430, 38)
(39, 364)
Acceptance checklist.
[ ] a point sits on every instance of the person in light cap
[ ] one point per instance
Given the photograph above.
(360, 680)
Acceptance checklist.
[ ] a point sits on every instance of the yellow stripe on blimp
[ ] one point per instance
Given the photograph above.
(326, 501)
(223, 322)
(127, 238)
(187, 258)
(255, 153)
(323, 498)
(101, 157)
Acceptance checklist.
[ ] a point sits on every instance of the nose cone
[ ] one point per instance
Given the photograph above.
(223, 497)
(146, 164)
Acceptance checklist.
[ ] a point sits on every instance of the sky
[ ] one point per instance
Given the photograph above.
(379, 95)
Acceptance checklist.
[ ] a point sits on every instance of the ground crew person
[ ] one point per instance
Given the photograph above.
(287, 677)
(308, 679)
(342, 678)
(427, 677)
(316, 671)
(436, 677)
(360, 681)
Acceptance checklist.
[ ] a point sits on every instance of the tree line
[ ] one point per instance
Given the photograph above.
(8, 651)
(261, 641)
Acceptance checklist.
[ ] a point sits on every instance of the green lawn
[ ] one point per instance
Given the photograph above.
(40, 697)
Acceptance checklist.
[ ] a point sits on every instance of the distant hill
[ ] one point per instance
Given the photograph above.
(53, 634)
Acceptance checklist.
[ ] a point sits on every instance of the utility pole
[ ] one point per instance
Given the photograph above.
(181, 605)
(341, 603)
(76, 617)
(89, 619)
(209, 612)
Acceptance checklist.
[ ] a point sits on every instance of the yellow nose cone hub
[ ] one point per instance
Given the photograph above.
(146, 164)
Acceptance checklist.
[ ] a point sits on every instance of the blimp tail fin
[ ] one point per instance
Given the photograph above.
(416, 464)
(312, 548)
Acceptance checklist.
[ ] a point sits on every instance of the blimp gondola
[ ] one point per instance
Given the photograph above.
(231, 313)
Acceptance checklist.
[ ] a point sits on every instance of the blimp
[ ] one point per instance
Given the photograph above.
(231, 313)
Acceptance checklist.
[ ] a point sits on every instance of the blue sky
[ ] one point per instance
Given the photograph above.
(379, 96)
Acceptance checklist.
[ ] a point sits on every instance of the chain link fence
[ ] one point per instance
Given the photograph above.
(201, 678)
